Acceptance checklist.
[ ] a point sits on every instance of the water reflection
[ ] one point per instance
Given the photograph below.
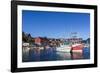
(50, 54)
(77, 55)
(64, 55)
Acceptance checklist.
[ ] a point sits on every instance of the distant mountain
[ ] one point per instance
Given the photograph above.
(26, 37)
(86, 41)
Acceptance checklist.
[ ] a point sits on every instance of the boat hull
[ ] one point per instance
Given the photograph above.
(77, 48)
(77, 51)
(64, 49)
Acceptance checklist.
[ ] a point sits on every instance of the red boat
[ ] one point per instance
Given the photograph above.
(77, 47)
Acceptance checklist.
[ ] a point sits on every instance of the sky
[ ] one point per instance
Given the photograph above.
(55, 24)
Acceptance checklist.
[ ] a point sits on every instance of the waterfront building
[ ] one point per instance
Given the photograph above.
(75, 40)
(38, 40)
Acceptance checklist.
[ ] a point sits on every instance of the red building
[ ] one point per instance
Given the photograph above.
(38, 40)
(41, 40)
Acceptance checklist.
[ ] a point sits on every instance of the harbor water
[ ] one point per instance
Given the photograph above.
(51, 54)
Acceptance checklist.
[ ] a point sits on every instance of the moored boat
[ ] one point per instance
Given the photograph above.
(65, 48)
(77, 47)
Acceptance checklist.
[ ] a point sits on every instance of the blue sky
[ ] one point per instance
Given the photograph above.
(55, 24)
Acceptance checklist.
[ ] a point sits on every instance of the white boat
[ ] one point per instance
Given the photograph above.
(64, 48)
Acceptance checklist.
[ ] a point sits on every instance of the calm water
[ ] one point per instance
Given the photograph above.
(53, 55)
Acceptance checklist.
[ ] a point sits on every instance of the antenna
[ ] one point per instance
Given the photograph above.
(73, 34)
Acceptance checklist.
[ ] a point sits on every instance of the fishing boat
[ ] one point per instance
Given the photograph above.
(64, 48)
(77, 47)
